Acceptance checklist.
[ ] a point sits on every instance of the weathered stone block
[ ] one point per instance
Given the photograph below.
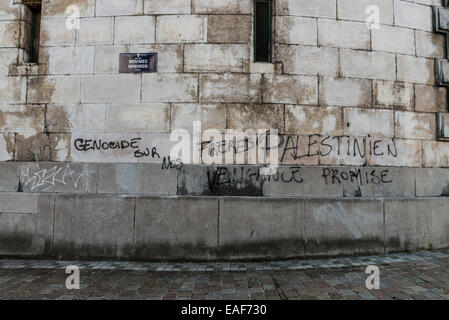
(256, 117)
(81, 60)
(220, 181)
(335, 227)
(364, 122)
(262, 228)
(93, 226)
(211, 116)
(167, 7)
(308, 8)
(222, 6)
(7, 146)
(343, 34)
(229, 29)
(149, 179)
(138, 118)
(118, 7)
(395, 152)
(55, 33)
(430, 99)
(8, 58)
(57, 178)
(416, 70)
(435, 154)
(393, 39)
(9, 10)
(215, 57)
(296, 181)
(127, 33)
(407, 225)
(368, 65)
(111, 88)
(393, 94)
(296, 30)
(107, 58)
(17, 235)
(54, 89)
(44, 221)
(168, 87)
(9, 177)
(356, 10)
(181, 29)
(308, 60)
(23, 119)
(376, 181)
(96, 31)
(176, 228)
(412, 125)
(313, 120)
(18, 203)
(432, 182)
(430, 45)
(76, 118)
(345, 92)
(230, 88)
(12, 90)
(32, 147)
(10, 34)
(290, 89)
(439, 237)
(58, 9)
(60, 148)
(412, 15)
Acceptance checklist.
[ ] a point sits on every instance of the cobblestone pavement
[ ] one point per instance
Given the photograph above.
(421, 275)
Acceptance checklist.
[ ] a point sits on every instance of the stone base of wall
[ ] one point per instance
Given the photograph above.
(145, 213)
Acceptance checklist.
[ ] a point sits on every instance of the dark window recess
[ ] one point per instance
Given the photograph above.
(35, 30)
(262, 30)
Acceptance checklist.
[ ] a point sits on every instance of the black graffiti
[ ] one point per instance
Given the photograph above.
(227, 176)
(298, 147)
(167, 164)
(92, 144)
(147, 153)
(365, 176)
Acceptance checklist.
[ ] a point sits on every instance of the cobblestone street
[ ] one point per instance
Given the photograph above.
(421, 275)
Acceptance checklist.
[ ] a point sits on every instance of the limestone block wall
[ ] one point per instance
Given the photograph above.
(341, 93)
(84, 149)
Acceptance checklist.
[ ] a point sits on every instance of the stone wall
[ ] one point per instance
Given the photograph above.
(87, 168)
(137, 211)
(331, 76)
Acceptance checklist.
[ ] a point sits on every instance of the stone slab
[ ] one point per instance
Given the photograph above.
(18, 202)
(93, 226)
(338, 227)
(9, 177)
(407, 225)
(58, 177)
(136, 179)
(262, 228)
(220, 181)
(176, 228)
